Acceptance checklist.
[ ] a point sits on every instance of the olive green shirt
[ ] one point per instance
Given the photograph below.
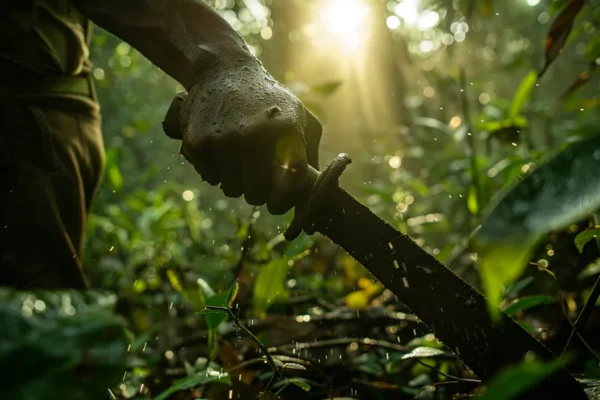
(45, 36)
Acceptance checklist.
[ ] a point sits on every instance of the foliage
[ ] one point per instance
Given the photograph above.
(491, 166)
(562, 191)
(75, 342)
(512, 382)
(199, 378)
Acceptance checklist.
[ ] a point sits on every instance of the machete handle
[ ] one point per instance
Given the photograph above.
(318, 185)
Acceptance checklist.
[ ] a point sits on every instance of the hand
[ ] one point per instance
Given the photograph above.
(240, 128)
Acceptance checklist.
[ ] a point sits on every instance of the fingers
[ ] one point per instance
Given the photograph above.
(270, 172)
(230, 168)
(289, 173)
(256, 172)
(267, 164)
(203, 156)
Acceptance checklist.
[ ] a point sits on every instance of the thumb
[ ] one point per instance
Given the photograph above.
(289, 173)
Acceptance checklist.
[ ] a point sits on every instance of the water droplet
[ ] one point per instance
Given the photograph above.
(427, 270)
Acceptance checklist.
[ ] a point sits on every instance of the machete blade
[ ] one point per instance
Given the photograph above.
(452, 309)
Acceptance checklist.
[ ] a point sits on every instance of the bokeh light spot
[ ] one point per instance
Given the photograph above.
(188, 195)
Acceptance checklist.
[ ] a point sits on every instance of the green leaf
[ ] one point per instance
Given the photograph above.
(205, 288)
(559, 32)
(591, 270)
(214, 318)
(115, 178)
(294, 366)
(113, 173)
(520, 285)
(507, 131)
(524, 303)
(512, 382)
(73, 341)
(189, 382)
(423, 352)
(174, 280)
(233, 294)
(523, 93)
(194, 296)
(300, 383)
(270, 285)
(283, 384)
(472, 201)
(563, 190)
(326, 88)
(584, 237)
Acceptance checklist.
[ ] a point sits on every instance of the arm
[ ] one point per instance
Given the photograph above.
(238, 126)
(184, 38)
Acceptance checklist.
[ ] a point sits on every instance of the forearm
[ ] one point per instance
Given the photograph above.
(183, 37)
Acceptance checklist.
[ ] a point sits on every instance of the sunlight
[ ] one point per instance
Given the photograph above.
(408, 11)
(345, 20)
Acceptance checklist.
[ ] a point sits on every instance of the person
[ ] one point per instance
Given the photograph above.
(238, 127)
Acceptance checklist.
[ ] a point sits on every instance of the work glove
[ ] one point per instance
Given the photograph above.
(243, 130)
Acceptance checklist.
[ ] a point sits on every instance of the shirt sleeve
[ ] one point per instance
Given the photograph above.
(182, 37)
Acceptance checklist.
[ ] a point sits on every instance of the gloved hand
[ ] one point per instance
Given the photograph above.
(240, 128)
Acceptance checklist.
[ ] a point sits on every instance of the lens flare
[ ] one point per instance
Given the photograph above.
(345, 20)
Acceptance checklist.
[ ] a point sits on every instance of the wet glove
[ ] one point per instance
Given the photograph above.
(243, 130)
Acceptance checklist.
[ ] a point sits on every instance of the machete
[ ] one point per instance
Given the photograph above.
(453, 310)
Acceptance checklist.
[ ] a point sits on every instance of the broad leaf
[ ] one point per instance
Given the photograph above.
(214, 318)
(65, 341)
(233, 294)
(584, 237)
(205, 288)
(300, 383)
(522, 95)
(559, 32)
(294, 366)
(512, 382)
(563, 190)
(423, 352)
(270, 285)
(528, 302)
(196, 297)
(189, 382)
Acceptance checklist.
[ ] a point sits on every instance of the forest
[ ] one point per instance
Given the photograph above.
(473, 129)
